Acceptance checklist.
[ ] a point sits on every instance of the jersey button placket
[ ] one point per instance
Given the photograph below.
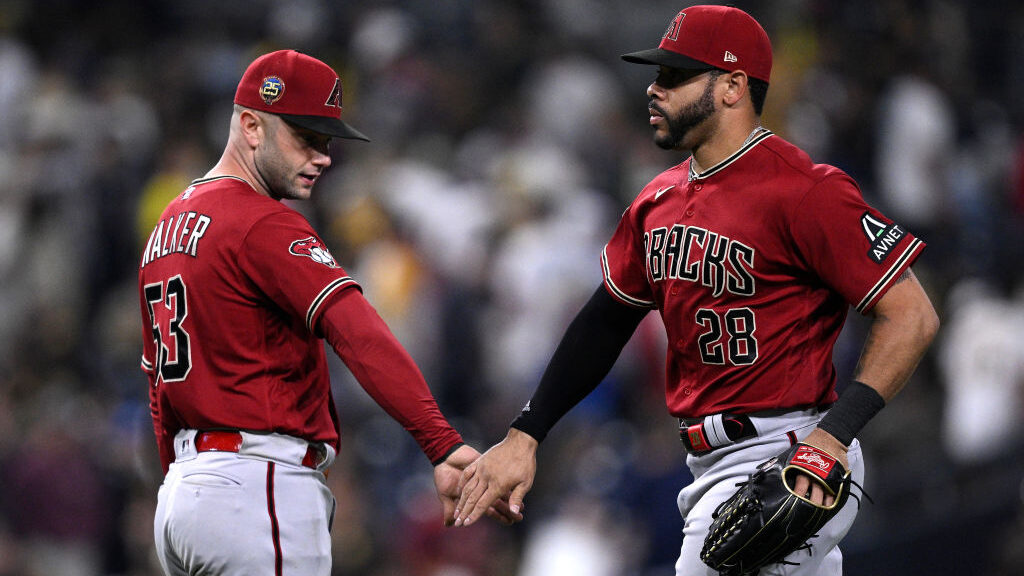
(695, 186)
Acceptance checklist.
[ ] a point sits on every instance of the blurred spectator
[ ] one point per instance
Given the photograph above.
(62, 510)
(585, 538)
(916, 141)
(982, 363)
(543, 262)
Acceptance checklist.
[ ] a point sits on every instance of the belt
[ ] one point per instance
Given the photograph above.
(711, 432)
(229, 441)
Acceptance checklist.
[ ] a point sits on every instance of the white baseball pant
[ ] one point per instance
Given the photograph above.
(717, 473)
(256, 512)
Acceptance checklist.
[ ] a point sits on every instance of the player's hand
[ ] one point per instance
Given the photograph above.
(506, 471)
(803, 485)
(446, 479)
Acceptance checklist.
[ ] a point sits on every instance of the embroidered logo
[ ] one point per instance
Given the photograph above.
(883, 237)
(334, 100)
(662, 191)
(272, 89)
(672, 32)
(813, 460)
(729, 57)
(314, 249)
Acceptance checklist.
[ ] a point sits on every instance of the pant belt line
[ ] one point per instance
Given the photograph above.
(714, 432)
(227, 441)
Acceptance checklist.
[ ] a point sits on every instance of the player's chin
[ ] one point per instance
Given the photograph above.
(665, 140)
(302, 189)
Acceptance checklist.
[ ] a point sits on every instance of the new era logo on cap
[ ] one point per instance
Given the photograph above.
(299, 88)
(704, 37)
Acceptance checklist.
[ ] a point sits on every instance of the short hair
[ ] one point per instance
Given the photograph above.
(758, 92)
(758, 89)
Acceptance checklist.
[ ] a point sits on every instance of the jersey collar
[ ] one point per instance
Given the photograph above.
(212, 178)
(755, 137)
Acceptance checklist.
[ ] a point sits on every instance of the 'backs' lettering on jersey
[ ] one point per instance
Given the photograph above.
(753, 265)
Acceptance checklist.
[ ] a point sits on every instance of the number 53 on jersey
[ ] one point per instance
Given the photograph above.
(168, 308)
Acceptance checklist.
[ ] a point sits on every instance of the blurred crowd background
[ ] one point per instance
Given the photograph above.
(508, 137)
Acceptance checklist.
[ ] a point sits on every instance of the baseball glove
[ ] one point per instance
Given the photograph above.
(765, 521)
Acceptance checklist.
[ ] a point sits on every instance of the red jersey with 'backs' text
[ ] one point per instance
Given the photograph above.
(753, 265)
(231, 283)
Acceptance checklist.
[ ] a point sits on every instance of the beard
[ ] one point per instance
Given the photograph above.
(680, 125)
(277, 175)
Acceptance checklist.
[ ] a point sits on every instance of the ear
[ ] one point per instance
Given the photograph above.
(736, 87)
(252, 127)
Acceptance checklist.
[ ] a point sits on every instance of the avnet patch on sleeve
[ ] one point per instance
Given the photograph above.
(883, 237)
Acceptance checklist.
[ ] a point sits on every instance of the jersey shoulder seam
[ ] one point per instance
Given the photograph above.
(808, 170)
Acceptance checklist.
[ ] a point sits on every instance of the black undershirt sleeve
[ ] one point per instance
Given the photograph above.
(588, 350)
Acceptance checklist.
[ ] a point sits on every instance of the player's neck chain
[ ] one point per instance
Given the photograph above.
(753, 134)
(757, 134)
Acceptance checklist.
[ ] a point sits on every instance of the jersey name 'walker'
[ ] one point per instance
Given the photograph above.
(717, 253)
(245, 276)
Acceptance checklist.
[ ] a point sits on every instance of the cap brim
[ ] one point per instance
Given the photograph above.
(330, 126)
(661, 57)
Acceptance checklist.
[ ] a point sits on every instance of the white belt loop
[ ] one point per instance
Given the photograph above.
(714, 427)
(329, 456)
(184, 445)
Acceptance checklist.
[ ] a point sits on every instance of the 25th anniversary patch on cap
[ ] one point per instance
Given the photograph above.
(272, 89)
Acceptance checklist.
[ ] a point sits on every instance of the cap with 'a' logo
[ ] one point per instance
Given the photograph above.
(705, 37)
(299, 88)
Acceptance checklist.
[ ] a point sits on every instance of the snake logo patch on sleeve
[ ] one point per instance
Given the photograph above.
(314, 249)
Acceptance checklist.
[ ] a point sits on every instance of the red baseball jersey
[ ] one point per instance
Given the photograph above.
(753, 265)
(230, 284)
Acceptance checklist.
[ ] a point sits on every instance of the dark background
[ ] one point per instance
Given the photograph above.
(507, 138)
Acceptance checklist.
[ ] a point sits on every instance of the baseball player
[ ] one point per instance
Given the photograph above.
(237, 293)
(752, 254)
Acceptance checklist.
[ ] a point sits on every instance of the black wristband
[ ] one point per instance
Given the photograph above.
(524, 423)
(448, 453)
(856, 405)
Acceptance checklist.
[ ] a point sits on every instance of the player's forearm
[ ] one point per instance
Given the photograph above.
(387, 372)
(904, 325)
(586, 354)
(395, 383)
